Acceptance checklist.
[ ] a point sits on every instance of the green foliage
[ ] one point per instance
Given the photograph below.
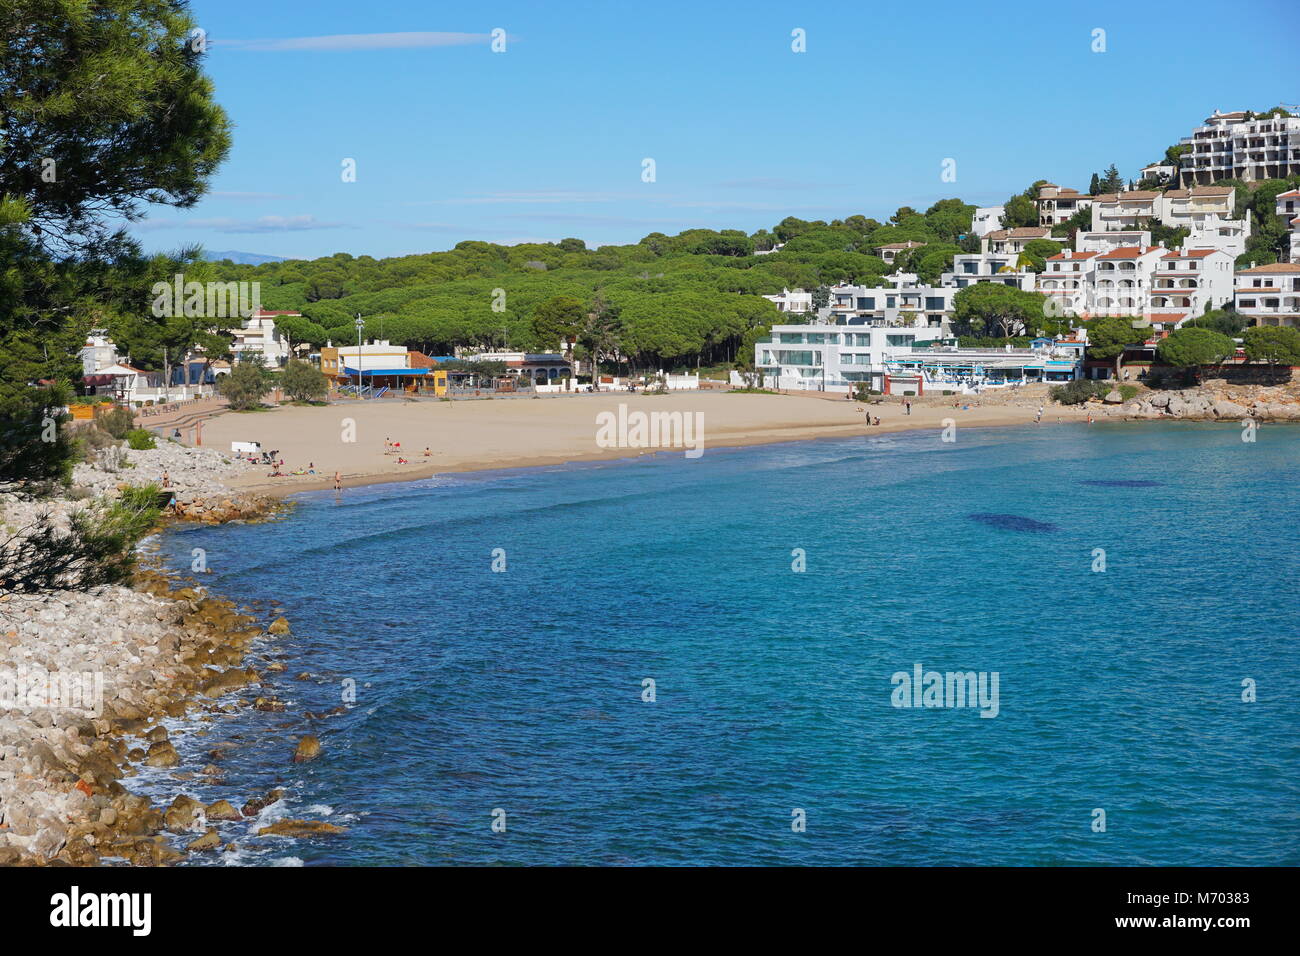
(97, 547)
(1276, 345)
(303, 382)
(1018, 212)
(1193, 348)
(1037, 252)
(1227, 321)
(116, 422)
(1111, 181)
(246, 384)
(1109, 335)
(991, 308)
(140, 439)
(114, 94)
(1079, 391)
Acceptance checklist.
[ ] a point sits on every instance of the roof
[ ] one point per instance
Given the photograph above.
(1290, 192)
(1022, 232)
(1191, 253)
(910, 244)
(1271, 267)
(1162, 318)
(1128, 252)
(387, 371)
(1073, 255)
(1136, 194)
(1199, 191)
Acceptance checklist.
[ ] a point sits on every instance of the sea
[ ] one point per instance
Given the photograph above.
(745, 658)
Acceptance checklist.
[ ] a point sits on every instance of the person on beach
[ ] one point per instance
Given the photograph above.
(166, 480)
(427, 453)
(338, 482)
(907, 408)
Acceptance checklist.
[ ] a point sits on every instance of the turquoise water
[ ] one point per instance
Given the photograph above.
(522, 690)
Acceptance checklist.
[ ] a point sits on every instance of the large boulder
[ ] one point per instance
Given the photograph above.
(297, 828)
(1113, 397)
(308, 749)
(185, 815)
(1226, 409)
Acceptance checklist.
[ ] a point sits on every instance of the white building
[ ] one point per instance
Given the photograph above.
(1067, 280)
(1130, 210)
(98, 353)
(1270, 295)
(1162, 173)
(1190, 282)
(997, 261)
(1288, 207)
(987, 219)
(792, 301)
(1238, 146)
(903, 303)
(891, 251)
(258, 334)
(1208, 213)
(1122, 279)
(899, 360)
(1057, 205)
(1109, 241)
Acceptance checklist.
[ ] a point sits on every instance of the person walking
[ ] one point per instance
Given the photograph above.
(338, 482)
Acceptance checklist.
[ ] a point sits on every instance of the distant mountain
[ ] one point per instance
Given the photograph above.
(243, 258)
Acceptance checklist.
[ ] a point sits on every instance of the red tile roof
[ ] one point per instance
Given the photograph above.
(1073, 255)
(1190, 253)
(1128, 252)
(1271, 267)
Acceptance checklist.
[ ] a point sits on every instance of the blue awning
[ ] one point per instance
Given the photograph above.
(387, 371)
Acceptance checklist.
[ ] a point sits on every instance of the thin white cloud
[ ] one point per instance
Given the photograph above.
(262, 224)
(535, 197)
(359, 41)
(245, 196)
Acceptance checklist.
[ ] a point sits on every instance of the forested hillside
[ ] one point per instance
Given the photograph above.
(668, 300)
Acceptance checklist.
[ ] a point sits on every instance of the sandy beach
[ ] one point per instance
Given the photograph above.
(510, 433)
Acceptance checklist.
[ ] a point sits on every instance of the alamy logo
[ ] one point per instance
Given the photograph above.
(30, 690)
(651, 430)
(205, 300)
(922, 688)
(74, 909)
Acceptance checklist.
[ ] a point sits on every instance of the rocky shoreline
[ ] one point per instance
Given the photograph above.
(1216, 400)
(90, 676)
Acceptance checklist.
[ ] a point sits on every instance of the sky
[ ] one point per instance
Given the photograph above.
(549, 137)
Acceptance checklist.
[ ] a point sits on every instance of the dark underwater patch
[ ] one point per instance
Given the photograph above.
(1012, 522)
(1122, 483)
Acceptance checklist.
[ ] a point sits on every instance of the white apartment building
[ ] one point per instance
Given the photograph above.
(1190, 282)
(1207, 212)
(1288, 207)
(890, 251)
(1130, 210)
(1057, 205)
(792, 301)
(1067, 280)
(997, 260)
(903, 303)
(258, 334)
(1270, 295)
(1235, 146)
(1160, 172)
(987, 219)
(826, 357)
(1123, 278)
(1109, 241)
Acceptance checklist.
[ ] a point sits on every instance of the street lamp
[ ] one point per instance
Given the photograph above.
(360, 325)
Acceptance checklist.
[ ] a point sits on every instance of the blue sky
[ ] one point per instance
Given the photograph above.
(546, 140)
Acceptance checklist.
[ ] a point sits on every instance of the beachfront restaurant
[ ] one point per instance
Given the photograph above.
(948, 366)
(411, 381)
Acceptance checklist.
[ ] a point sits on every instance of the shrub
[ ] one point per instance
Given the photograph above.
(1079, 391)
(302, 382)
(97, 548)
(117, 422)
(140, 440)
